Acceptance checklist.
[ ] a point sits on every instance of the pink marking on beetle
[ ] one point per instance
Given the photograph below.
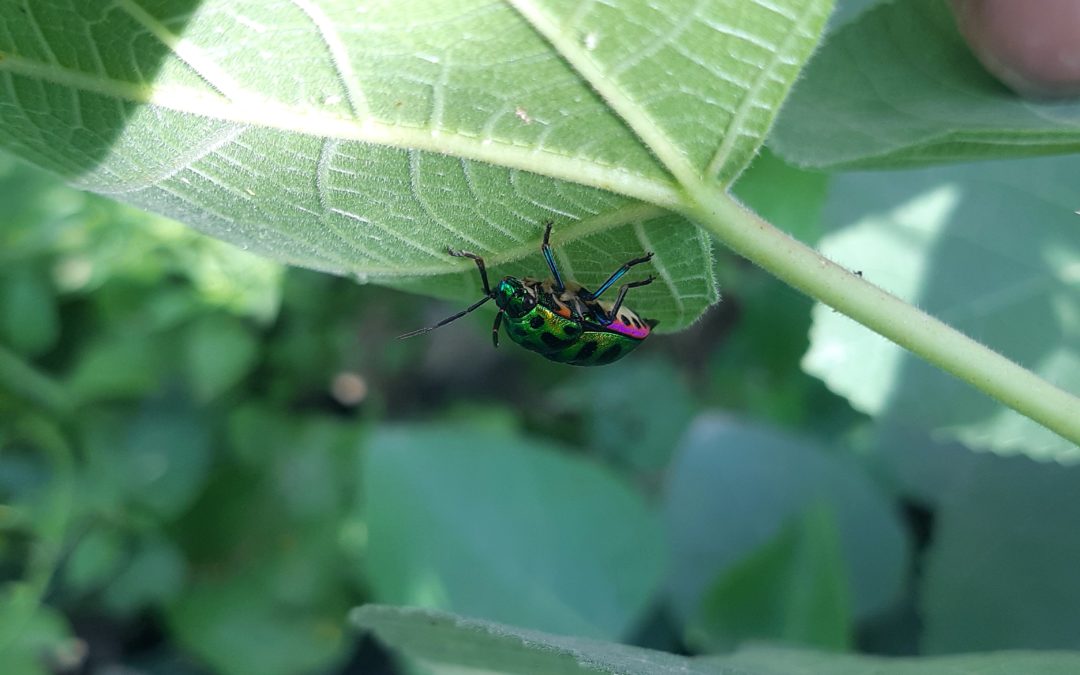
(630, 330)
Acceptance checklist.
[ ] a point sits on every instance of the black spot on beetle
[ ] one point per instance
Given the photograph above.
(553, 341)
(536, 321)
(610, 355)
(637, 324)
(572, 329)
(585, 352)
(519, 331)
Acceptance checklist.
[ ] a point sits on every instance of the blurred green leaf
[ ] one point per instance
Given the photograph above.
(23, 381)
(1002, 571)
(450, 641)
(924, 470)
(43, 646)
(315, 478)
(990, 249)
(28, 315)
(756, 368)
(794, 589)
(266, 587)
(846, 10)
(786, 196)
(732, 489)
(144, 464)
(257, 431)
(34, 517)
(635, 413)
(239, 627)
(308, 460)
(898, 86)
(220, 351)
(468, 416)
(94, 560)
(446, 640)
(124, 366)
(504, 527)
(801, 662)
(152, 574)
(165, 457)
(37, 206)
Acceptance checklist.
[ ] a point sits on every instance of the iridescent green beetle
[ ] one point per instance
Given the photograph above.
(561, 321)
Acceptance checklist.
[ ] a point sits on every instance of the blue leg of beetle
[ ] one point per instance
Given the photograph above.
(622, 296)
(618, 275)
(545, 248)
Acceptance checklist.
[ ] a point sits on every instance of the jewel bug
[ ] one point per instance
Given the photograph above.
(561, 320)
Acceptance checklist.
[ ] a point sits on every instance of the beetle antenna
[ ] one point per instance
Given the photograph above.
(448, 319)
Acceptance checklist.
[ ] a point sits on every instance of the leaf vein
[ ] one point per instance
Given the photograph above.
(327, 150)
(661, 269)
(339, 56)
(738, 120)
(269, 114)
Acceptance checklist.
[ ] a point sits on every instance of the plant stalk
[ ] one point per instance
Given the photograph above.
(22, 380)
(823, 280)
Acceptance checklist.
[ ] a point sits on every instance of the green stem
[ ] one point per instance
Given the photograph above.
(25, 382)
(50, 521)
(821, 279)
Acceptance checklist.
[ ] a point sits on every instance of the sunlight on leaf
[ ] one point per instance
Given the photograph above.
(365, 139)
(990, 249)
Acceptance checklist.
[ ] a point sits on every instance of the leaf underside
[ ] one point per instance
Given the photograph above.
(365, 138)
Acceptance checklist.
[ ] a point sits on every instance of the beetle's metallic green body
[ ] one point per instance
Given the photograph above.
(568, 329)
(562, 321)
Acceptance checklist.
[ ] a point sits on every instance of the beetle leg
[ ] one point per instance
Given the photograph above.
(622, 296)
(495, 329)
(447, 320)
(545, 248)
(479, 265)
(617, 275)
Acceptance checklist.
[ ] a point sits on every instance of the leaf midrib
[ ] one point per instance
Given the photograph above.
(238, 105)
(647, 131)
(257, 111)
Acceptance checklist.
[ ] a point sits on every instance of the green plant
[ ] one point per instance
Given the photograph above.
(364, 138)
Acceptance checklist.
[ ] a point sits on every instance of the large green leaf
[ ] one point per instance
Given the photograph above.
(801, 662)
(365, 138)
(266, 586)
(446, 640)
(794, 589)
(898, 86)
(623, 424)
(734, 487)
(1002, 571)
(35, 519)
(242, 625)
(502, 527)
(990, 249)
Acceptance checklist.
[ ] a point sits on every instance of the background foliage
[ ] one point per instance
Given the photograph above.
(207, 459)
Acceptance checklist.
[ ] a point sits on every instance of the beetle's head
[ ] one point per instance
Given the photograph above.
(514, 297)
